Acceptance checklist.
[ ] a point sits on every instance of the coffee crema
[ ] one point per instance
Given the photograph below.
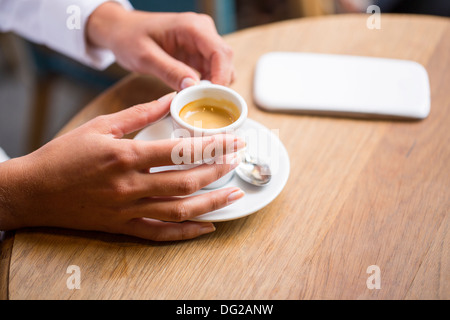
(209, 113)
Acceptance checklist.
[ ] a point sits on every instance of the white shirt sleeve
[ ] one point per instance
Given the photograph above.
(3, 156)
(58, 24)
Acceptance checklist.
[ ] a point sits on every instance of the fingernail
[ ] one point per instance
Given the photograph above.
(235, 196)
(187, 82)
(207, 229)
(167, 97)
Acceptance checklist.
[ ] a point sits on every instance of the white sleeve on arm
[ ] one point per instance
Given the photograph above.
(54, 23)
(3, 156)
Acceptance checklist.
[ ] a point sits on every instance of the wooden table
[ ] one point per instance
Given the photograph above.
(361, 193)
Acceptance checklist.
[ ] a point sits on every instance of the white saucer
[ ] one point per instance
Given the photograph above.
(262, 143)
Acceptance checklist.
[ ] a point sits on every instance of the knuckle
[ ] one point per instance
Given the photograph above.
(215, 203)
(121, 190)
(187, 20)
(140, 62)
(102, 121)
(189, 185)
(229, 53)
(190, 15)
(197, 22)
(223, 53)
(111, 156)
(179, 212)
(220, 170)
(141, 111)
(140, 108)
(206, 18)
(186, 233)
(226, 49)
(142, 58)
(122, 159)
(125, 159)
(104, 124)
(171, 73)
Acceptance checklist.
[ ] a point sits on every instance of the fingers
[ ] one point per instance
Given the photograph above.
(182, 209)
(184, 151)
(172, 71)
(197, 46)
(217, 55)
(221, 66)
(218, 65)
(183, 182)
(174, 183)
(177, 210)
(134, 118)
(165, 231)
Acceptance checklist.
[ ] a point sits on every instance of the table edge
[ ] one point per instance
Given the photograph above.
(6, 245)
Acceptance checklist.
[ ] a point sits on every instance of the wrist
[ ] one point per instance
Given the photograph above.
(102, 24)
(9, 194)
(18, 198)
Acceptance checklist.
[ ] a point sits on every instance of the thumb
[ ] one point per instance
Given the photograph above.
(173, 72)
(137, 117)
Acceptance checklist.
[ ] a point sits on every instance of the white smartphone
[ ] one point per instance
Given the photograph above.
(341, 85)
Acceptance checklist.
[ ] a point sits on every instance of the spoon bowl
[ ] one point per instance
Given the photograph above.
(254, 171)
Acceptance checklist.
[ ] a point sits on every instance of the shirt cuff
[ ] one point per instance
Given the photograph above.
(65, 36)
(3, 156)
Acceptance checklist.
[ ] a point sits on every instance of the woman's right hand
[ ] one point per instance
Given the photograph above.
(92, 179)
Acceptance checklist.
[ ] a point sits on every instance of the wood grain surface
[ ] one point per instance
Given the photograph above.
(360, 193)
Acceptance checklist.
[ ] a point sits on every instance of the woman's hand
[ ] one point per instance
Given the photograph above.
(91, 179)
(176, 47)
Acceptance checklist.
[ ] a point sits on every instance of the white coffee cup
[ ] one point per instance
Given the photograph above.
(208, 90)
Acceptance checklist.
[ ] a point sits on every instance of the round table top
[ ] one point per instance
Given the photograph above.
(364, 198)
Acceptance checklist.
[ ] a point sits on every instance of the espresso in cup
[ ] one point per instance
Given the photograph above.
(210, 113)
(207, 109)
